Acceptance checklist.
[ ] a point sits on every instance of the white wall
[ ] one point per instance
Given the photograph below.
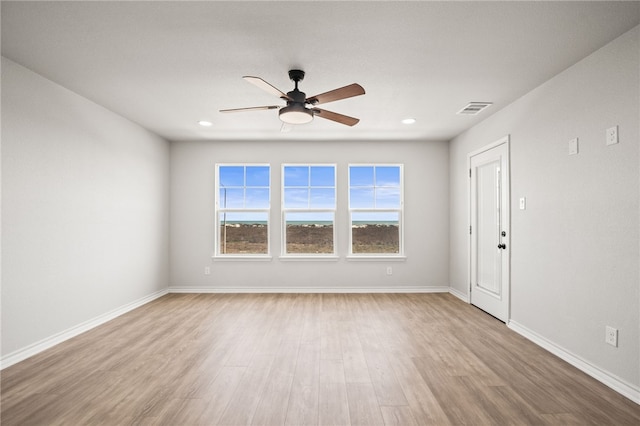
(85, 198)
(575, 253)
(192, 217)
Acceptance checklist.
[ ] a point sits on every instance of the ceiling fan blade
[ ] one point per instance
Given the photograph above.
(257, 81)
(337, 94)
(258, 108)
(334, 116)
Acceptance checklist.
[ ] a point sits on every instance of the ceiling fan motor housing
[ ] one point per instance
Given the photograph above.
(295, 112)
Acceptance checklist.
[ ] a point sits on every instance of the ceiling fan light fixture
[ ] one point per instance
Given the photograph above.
(408, 121)
(205, 123)
(295, 114)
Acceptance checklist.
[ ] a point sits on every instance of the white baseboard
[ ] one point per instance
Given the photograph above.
(617, 384)
(31, 350)
(309, 289)
(460, 295)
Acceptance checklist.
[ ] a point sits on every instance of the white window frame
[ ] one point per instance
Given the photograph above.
(284, 210)
(400, 210)
(218, 254)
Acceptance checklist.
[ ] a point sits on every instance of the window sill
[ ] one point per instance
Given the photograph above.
(312, 258)
(236, 258)
(373, 258)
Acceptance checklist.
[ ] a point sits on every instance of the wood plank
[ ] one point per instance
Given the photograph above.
(355, 364)
(398, 416)
(387, 388)
(332, 371)
(304, 397)
(178, 411)
(272, 409)
(248, 393)
(222, 390)
(363, 405)
(304, 359)
(334, 405)
(424, 406)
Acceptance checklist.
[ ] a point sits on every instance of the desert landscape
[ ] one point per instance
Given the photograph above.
(309, 238)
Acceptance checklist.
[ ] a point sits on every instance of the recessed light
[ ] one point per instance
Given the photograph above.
(408, 121)
(205, 123)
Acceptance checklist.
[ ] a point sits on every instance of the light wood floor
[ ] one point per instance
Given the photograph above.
(285, 359)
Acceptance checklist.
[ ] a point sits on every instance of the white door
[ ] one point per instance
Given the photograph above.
(489, 229)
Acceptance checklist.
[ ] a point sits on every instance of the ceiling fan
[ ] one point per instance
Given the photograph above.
(301, 109)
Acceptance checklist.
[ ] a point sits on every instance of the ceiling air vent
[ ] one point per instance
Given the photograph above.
(474, 108)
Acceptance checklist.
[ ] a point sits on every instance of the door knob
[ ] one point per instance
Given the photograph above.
(502, 246)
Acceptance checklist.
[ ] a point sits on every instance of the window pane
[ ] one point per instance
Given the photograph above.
(296, 198)
(361, 175)
(387, 176)
(387, 197)
(361, 198)
(296, 176)
(231, 176)
(257, 198)
(232, 198)
(243, 233)
(242, 189)
(323, 176)
(323, 198)
(309, 232)
(373, 232)
(258, 176)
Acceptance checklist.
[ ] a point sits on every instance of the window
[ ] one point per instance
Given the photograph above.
(375, 209)
(308, 209)
(242, 209)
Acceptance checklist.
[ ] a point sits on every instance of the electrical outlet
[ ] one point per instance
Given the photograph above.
(573, 146)
(207, 270)
(611, 336)
(389, 270)
(612, 135)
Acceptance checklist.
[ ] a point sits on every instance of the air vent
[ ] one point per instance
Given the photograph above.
(474, 108)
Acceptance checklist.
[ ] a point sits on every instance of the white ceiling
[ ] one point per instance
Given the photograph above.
(166, 65)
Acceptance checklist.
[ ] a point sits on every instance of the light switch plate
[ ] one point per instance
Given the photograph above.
(573, 146)
(523, 203)
(612, 135)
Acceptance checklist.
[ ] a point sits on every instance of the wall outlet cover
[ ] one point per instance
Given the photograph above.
(611, 336)
(612, 135)
(573, 146)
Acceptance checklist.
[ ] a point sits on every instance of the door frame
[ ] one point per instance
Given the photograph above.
(506, 224)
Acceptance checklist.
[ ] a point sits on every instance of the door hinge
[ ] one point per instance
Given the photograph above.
(469, 229)
(469, 172)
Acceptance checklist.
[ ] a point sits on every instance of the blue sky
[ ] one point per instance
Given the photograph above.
(244, 187)
(374, 187)
(310, 187)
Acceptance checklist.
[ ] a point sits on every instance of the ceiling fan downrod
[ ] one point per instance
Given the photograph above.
(295, 112)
